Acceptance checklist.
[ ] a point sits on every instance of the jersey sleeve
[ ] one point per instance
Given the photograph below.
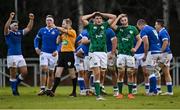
(163, 36)
(106, 25)
(37, 39)
(136, 32)
(143, 33)
(71, 32)
(21, 32)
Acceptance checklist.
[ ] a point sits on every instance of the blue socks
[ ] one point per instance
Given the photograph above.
(19, 78)
(169, 87)
(153, 83)
(81, 83)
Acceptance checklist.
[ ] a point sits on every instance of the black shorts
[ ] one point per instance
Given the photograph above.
(66, 59)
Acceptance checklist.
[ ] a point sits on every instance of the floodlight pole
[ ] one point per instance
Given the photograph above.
(16, 9)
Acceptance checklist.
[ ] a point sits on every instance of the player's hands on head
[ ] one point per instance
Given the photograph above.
(121, 15)
(31, 16)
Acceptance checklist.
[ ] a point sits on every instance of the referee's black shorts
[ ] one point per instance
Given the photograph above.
(66, 59)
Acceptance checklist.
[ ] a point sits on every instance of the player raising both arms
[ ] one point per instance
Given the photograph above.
(15, 59)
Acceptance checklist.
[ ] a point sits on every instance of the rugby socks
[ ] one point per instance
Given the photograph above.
(130, 87)
(153, 83)
(19, 79)
(13, 83)
(134, 86)
(92, 80)
(169, 87)
(74, 82)
(56, 83)
(81, 83)
(97, 87)
(158, 87)
(147, 88)
(43, 88)
(120, 86)
(115, 88)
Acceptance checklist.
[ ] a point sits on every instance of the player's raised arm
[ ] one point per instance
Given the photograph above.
(85, 18)
(110, 16)
(67, 28)
(30, 24)
(113, 24)
(6, 27)
(58, 40)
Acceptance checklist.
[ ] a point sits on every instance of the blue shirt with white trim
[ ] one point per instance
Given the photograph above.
(164, 35)
(140, 50)
(48, 38)
(109, 36)
(151, 33)
(13, 41)
(82, 47)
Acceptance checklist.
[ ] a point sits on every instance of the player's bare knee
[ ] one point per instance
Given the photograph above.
(130, 72)
(111, 68)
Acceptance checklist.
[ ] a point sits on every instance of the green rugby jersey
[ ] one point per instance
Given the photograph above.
(97, 35)
(126, 37)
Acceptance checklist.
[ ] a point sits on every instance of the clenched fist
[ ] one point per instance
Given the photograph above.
(31, 16)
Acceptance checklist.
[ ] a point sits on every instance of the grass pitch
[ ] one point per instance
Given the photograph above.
(28, 99)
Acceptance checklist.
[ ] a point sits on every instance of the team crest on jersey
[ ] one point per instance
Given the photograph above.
(121, 30)
(102, 27)
(44, 32)
(131, 32)
(17, 33)
(69, 63)
(52, 32)
(95, 27)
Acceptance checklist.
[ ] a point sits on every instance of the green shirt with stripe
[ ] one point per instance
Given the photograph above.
(126, 36)
(97, 35)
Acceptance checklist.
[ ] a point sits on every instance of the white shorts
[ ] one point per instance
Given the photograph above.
(156, 59)
(138, 60)
(46, 59)
(125, 60)
(16, 61)
(149, 60)
(79, 63)
(111, 62)
(86, 63)
(166, 58)
(98, 59)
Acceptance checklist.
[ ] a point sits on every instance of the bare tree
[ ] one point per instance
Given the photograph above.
(166, 12)
(177, 4)
(80, 10)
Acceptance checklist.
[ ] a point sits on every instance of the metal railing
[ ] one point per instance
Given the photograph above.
(34, 63)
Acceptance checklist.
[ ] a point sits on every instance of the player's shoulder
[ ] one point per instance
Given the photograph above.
(42, 29)
(109, 29)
